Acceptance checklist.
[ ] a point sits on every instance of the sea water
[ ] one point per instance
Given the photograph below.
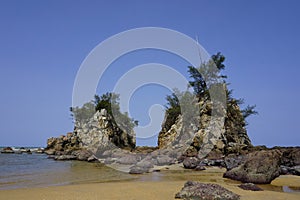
(36, 170)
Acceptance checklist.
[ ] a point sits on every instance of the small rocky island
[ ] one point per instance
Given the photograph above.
(195, 144)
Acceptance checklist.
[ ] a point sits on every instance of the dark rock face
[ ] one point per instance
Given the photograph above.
(200, 168)
(295, 170)
(67, 148)
(195, 190)
(191, 162)
(291, 156)
(250, 186)
(141, 167)
(235, 127)
(82, 155)
(145, 164)
(128, 159)
(232, 161)
(197, 164)
(213, 162)
(7, 150)
(138, 170)
(260, 167)
(164, 160)
(70, 142)
(289, 164)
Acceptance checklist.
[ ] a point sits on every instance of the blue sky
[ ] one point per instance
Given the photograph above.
(43, 43)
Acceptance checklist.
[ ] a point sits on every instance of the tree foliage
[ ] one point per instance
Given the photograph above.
(249, 110)
(84, 113)
(183, 103)
(173, 110)
(109, 102)
(204, 78)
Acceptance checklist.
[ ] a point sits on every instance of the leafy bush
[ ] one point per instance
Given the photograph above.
(109, 102)
(203, 79)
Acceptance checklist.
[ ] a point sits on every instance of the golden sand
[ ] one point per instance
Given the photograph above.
(163, 189)
(287, 180)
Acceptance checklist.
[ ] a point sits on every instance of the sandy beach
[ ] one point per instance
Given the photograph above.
(149, 188)
(128, 190)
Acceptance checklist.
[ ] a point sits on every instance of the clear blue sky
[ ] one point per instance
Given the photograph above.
(43, 43)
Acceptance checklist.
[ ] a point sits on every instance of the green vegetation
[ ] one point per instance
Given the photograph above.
(109, 102)
(173, 110)
(84, 113)
(205, 78)
(203, 81)
(180, 103)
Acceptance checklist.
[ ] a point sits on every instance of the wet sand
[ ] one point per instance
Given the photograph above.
(156, 186)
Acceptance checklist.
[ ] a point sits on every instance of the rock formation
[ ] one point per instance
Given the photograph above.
(101, 139)
(209, 133)
(197, 190)
(7, 150)
(259, 167)
(93, 137)
(100, 133)
(290, 161)
(64, 143)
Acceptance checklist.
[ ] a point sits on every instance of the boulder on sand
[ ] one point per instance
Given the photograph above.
(138, 170)
(191, 162)
(260, 167)
(197, 190)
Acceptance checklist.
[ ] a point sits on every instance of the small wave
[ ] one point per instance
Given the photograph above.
(14, 148)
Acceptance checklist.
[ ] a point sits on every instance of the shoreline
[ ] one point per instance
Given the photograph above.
(129, 190)
(86, 180)
(159, 185)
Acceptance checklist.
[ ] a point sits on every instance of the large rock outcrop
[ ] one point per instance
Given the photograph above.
(260, 167)
(100, 133)
(291, 156)
(223, 135)
(94, 136)
(63, 143)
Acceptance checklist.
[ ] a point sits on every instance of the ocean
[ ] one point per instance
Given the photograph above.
(36, 170)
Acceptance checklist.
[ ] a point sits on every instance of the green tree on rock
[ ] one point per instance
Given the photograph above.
(203, 81)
